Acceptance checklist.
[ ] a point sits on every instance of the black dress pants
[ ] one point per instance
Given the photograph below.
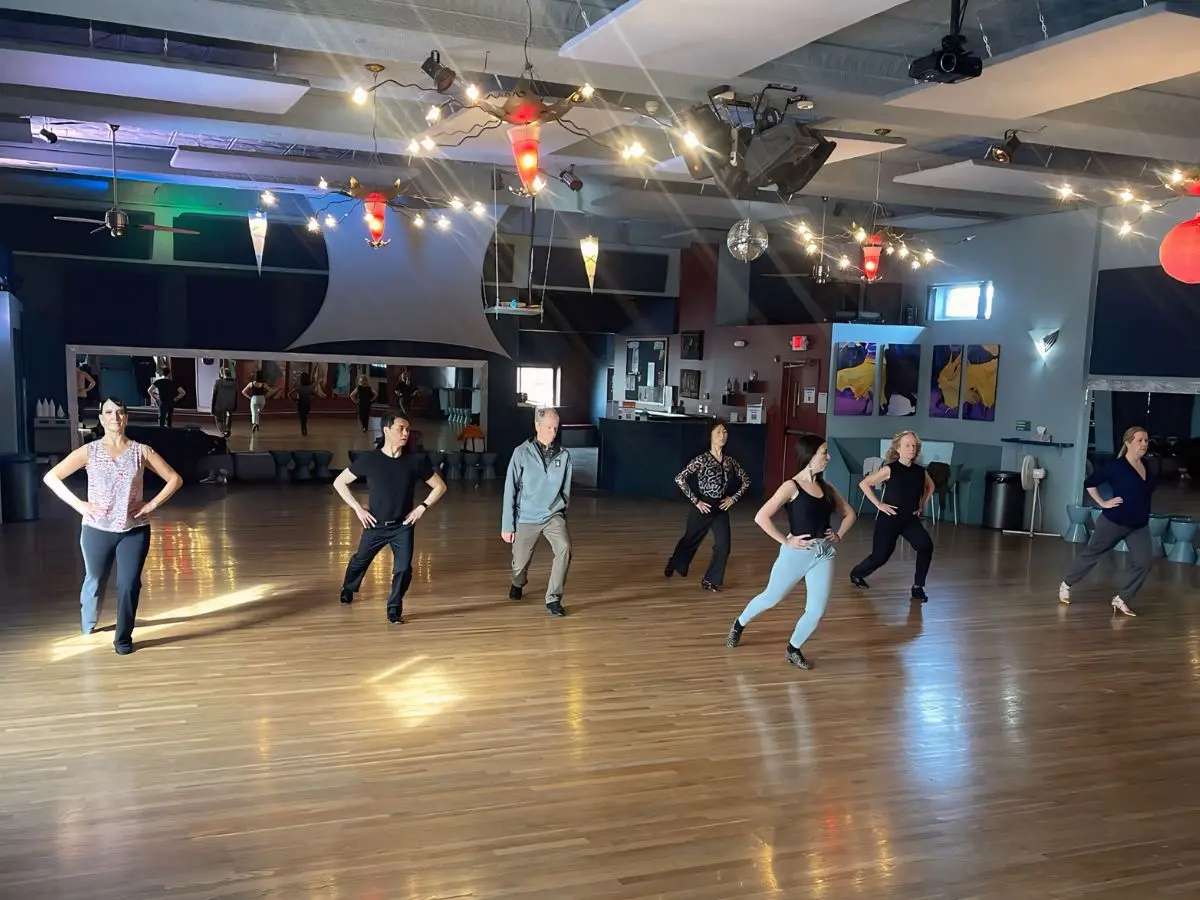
(400, 538)
(166, 412)
(698, 525)
(888, 530)
(303, 408)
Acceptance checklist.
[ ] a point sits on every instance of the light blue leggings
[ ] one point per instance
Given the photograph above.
(815, 567)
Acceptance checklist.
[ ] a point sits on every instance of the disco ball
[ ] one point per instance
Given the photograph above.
(747, 240)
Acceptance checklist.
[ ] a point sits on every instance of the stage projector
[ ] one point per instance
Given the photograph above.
(950, 65)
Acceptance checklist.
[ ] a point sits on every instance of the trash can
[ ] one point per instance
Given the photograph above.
(1003, 501)
(19, 484)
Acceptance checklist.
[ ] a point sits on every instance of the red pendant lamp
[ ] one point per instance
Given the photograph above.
(376, 206)
(526, 144)
(871, 250)
(1179, 252)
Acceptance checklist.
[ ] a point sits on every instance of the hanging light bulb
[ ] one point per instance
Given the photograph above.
(889, 249)
(479, 209)
(1065, 192)
(330, 221)
(323, 184)
(1125, 229)
(428, 143)
(1146, 207)
(844, 262)
(927, 257)
(1176, 177)
(418, 221)
(1126, 195)
(443, 223)
(456, 204)
(538, 183)
(860, 235)
(313, 225)
(903, 251)
(690, 140)
(268, 199)
(811, 248)
(473, 93)
(414, 146)
(587, 91)
(376, 216)
(360, 95)
(633, 151)
(433, 114)
(916, 264)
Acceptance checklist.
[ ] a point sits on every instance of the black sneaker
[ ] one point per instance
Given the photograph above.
(796, 658)
(556, 609)
(514, 593)
(347, 597)
(858, 581)
(394, 617)
(918, 593)
(735, 635)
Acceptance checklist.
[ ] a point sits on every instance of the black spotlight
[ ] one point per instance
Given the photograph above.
(571, 180)
(1003, 153)
(48, 136)
(441, 76)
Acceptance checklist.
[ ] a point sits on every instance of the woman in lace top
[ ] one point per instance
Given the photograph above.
(715, 474)
(114, 516)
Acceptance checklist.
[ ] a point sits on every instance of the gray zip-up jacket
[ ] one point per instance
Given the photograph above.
(536, 488)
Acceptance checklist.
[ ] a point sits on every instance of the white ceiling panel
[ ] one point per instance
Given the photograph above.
(264, 165)
(934, 221)
(1118, 54)
(148, 79)
(713, 38)
(1018, 181)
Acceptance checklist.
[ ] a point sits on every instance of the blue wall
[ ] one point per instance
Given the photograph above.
(1043, 269)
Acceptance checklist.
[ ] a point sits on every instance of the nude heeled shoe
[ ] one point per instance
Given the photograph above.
(1119, 606)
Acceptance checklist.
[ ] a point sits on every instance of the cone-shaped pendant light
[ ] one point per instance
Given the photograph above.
(258, 235)
(590, 248)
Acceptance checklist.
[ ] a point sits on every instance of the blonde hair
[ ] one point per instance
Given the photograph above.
(1129, 435)
(893, 453)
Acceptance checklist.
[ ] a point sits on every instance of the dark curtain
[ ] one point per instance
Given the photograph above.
(1128, 410)
(1171, 415)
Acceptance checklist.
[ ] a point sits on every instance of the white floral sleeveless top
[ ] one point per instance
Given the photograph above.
(114, 487)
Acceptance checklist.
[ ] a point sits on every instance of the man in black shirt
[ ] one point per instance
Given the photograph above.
(391, 476)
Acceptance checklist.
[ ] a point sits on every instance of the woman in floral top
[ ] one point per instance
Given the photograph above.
(715, 474)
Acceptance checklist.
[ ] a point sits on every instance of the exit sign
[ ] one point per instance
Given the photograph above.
(800, 341)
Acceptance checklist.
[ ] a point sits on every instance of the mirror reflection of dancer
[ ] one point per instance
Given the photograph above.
(257, 391)
(391, 476)
(806, 552)
(364, 396)
(1126, 517)
(537, 490)
(114, 516)
(711, 502)
(909, 488)
(224, 401)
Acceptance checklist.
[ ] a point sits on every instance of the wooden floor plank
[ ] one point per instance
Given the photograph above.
(266, 742)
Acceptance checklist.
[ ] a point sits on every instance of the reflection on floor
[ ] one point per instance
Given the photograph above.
(267, 742)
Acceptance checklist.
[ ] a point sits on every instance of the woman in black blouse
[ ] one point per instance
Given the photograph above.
(714, 473)
(1126, 517)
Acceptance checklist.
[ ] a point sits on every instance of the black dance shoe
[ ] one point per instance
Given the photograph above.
(858, 581)
(709, 586)
(514, 593)
(796, 658)
(918, 593)
(556, 609)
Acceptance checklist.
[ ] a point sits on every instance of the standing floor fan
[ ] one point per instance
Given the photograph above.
(1031, 480)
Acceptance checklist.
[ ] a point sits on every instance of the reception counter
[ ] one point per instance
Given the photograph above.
(643, 458)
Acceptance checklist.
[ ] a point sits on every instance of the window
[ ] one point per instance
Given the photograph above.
(972, 300)
(540, 384)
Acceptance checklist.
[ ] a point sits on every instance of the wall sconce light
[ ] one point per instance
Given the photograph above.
(1044, 340)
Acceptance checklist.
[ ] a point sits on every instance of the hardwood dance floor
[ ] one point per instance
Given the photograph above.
(266, 742)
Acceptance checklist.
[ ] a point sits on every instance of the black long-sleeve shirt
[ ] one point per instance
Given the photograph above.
(712, 478)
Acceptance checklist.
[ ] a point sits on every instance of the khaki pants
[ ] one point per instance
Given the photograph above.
(555, 530)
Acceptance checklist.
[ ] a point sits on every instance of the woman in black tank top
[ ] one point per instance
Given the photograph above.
(806, 551)
(909, 488)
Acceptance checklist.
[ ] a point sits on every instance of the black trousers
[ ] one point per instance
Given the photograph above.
(303, 407)
(224, 418)
(698, 525)
(165, 412)
(400, 538)
(888, 530)
(364, 415)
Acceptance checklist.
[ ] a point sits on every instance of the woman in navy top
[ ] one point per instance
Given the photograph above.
(1126, 517)
(806, 550)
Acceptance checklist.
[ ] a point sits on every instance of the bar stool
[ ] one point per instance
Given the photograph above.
(321, 461)
(303, 469)
(1158, 527)
(1183, 530)
(489, 466)
(1076, 532)
(283, 458)
(454, 461)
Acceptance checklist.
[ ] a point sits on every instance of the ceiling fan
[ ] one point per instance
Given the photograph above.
(116, 220)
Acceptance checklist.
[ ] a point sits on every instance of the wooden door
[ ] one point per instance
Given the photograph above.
(801, 387)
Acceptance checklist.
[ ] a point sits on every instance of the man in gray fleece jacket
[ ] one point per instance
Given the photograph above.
(537, 490)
